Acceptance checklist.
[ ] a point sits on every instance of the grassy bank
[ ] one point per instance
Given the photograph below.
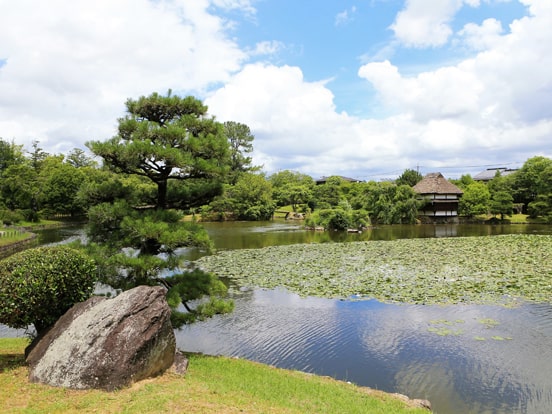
(212, 385)
(23, 231)
(9, 237)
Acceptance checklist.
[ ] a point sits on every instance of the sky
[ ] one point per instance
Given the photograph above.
(359, 88)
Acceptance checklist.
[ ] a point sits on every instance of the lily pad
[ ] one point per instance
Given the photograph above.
(478, 270)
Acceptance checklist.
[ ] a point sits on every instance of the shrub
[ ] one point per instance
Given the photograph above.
(339, 220)
(360, 219)
(9, 217)
(30, 215)
(39, 285)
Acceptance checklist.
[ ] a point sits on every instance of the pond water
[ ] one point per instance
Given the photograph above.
(464, 359)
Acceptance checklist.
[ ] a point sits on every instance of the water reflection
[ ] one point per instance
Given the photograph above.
(476, 369)
(242, 235)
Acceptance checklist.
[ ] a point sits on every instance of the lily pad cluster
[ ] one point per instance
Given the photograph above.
(477, 270)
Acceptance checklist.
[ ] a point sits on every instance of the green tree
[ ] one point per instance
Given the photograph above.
(464, 181)
(105, 186)
(10, 154)
(295, 195)
(37, 286)
(409, 177)
(78, 159)
(166, 138)
(240, 140)
(475, 200)
(340, 218)
(534, 178)
(60, 183)
(502, 203)
(330, 193)
(37, 156)
(249, 199)
(501, 183)
(541, 207)
(290, 187)
(388, 203)
(19, 187)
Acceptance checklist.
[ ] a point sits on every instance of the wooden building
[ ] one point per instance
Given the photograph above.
(441, 198)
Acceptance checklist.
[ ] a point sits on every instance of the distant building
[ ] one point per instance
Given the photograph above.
(490, 173)
(323, 180)
(441, 198)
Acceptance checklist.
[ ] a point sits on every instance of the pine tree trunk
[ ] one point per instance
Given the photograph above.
(162, 194)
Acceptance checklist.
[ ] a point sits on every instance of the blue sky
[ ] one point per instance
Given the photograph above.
(363, 88)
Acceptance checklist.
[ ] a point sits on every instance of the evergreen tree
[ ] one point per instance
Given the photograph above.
(165, 140)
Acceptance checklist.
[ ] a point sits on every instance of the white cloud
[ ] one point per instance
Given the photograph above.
(500, 99)
(286, 113)
(71, 65)
(245, 5)
(507, 81)
(484, 36)
(482, 109)
(448, 92)
(426, 23)
(344, 16)
(267, 48)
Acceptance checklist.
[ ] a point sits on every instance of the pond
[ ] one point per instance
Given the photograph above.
(463, 358)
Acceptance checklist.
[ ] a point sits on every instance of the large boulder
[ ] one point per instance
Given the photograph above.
(106, 343)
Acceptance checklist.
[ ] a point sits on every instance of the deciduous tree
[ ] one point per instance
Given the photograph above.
(409, 177)
(475, 200)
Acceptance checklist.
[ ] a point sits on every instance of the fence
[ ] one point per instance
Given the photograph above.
(11, 233)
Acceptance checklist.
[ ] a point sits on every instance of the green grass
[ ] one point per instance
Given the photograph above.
(42, 222)
(11, 236)
(211, 385)
(513, 219)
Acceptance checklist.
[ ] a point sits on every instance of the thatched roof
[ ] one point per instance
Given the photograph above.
(435, 183)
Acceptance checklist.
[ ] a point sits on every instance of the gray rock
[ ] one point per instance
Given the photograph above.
(106, 343)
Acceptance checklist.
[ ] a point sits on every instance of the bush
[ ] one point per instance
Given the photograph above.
(30, 215)
(339, 220)
(37, 286)
(9, 217)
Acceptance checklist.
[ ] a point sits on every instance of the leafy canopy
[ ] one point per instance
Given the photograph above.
(166, 138)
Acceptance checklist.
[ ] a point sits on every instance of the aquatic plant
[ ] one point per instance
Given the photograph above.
(480, 270)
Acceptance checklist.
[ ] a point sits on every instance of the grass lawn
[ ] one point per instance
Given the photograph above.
(211, 385)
